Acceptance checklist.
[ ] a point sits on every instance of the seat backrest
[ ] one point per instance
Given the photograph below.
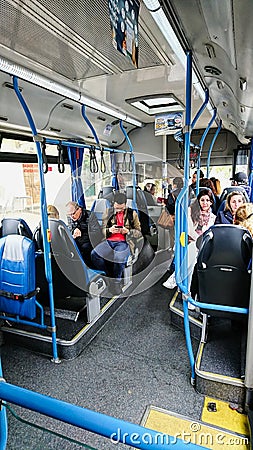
(140, 206)
(16, 226)
(224, 266)
(99, 207)
(229, 189)
(106, 192)
(71, 277)
(17, 276)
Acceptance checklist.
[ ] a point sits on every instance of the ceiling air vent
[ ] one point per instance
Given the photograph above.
(210, 51)
(55, 130)
(103, 119)
(213, 70)
(10, 86)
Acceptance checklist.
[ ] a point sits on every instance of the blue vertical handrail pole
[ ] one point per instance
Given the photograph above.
(3, 418)
(251, 170)
(181, 229)
(133, 159)
(203, 137)
(83, 109)
(44, 217)
(211, 148)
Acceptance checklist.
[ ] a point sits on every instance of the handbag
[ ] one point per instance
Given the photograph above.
(165, 220)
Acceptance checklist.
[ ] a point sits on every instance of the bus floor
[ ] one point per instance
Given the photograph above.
(137, 360)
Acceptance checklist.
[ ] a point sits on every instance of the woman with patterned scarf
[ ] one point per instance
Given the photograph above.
(201, 218)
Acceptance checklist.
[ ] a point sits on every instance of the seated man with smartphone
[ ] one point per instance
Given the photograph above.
(120, 224)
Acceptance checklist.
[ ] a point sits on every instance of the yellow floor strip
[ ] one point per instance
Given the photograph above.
(225, 417)
(192, 431)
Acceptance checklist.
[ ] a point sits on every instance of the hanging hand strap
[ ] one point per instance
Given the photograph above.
(44, 156)
(102, 162)
(124, 163)
(130, 164)
(93, 160)
(60, 160)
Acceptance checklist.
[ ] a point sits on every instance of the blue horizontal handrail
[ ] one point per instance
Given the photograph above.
(82, 145)
(115, 429)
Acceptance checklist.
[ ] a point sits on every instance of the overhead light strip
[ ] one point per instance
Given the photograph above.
(161, 20)
(41, 81)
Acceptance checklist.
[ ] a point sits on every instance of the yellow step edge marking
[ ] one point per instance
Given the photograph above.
(192, 431)
(182, 239)
(225, 417)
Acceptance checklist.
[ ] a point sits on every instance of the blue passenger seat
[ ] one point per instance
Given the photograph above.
(229, 189)
(17, 276)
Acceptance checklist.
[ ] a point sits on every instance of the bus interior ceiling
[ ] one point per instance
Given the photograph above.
(62, 54)
(79, 55)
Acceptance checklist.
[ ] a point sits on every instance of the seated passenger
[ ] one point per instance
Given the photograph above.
(233, 201)
(199, 220)
(149, 192)
(78, 219)
(52, 213)
(244, 217)
(119, 225)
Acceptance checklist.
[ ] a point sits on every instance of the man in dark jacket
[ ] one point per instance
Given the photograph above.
(78, 219)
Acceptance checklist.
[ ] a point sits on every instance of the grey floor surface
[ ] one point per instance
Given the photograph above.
(138, 359)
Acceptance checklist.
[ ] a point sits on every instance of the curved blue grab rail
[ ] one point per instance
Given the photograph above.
(133, 161)
(202, 140)
(87, 120)
(201, 109)
(211, 148)
(44, 217)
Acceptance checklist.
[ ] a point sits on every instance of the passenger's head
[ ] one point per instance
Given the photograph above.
(217, 185)
(239, 178)
(119, 201)
(73, 210)
(52, 212)
(149, 185)
(205, 199)
(206, 182)
(244, 216)
(194, 176)
(178, 183)
(233, 201)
